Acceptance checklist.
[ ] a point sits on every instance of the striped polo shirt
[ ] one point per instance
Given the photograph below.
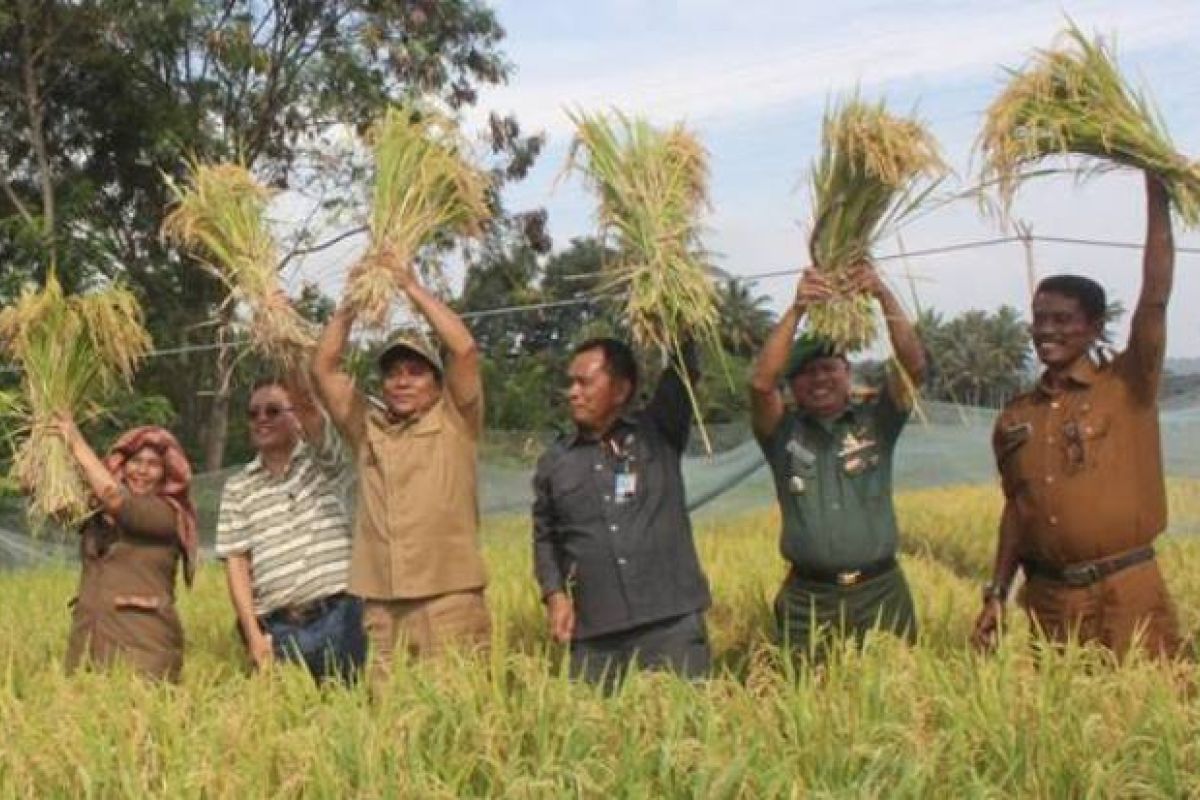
(295, 527)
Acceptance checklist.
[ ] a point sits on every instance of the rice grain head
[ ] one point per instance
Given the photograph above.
(220, 215)
(875, 169)
(1073, 100)
(652, 188)
(74, 351)
(425, 187)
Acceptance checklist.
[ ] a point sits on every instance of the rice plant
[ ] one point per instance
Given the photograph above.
(220, 214)
(425, 187)
(1073, 100)
(875, 169)
(73, 352)
(652, 187)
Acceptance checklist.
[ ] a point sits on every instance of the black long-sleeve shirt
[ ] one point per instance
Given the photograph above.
(627, 557)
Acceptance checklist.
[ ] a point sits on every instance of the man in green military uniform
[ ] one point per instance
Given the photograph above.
(831, 459)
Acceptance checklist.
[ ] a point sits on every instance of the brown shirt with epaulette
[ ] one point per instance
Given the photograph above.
(125, 606)
(416, 526)
(1082, 466)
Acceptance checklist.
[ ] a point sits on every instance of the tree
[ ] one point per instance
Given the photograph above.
(101, 97)
(745, 323)
(978, 358)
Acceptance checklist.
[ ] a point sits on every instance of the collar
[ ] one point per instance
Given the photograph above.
(389, 421)
(626, 419)
(256, 466)
(849, 414)
(1082, 373)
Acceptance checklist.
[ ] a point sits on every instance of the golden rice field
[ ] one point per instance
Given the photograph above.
(933, 720)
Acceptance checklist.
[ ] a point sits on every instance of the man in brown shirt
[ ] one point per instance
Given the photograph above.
(415, 557)
(1081, 466)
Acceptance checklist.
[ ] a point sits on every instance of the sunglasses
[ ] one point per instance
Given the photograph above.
(268, 412)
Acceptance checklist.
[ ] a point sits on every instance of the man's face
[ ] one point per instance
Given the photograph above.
(273, 426)
(822, 387)
(1061, 330)
(595, 396)
(410, 386)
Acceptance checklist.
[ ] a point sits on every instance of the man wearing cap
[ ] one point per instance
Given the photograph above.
(1080, 461)
(415, 558)
(831, 459)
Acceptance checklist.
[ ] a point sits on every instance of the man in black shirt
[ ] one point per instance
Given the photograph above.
(612, 542)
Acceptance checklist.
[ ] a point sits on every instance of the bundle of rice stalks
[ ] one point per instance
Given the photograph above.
(424, 188)
(73, 351)
(1073, 100)
(875, 169)
(220, 214)
(653, 186)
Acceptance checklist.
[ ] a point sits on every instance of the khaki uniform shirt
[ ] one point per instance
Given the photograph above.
(1082, 466)
(416, 527)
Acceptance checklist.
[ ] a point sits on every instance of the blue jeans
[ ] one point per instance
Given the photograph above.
(331, 644)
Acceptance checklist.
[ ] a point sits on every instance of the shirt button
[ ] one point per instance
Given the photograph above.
(621, 561)
(1049, 479)
(1053, 520)
(1049, 440)
(597, 467)
(607, 499)
(1054, 405)
(835, 506)
(612, 528)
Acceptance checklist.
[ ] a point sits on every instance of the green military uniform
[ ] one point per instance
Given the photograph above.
(833, 480)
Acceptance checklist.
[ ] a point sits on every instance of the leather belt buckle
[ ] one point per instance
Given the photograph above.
(1082, 575)
(849, 578)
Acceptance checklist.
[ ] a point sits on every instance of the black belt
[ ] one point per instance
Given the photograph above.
(304, 613)
(1088, 572)
(850, 577)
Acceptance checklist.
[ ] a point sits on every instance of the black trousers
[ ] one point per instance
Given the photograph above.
(678, 644)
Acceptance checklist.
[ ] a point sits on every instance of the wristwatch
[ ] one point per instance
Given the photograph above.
(995, 591)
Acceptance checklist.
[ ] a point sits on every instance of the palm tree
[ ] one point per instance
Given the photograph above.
(745, 323)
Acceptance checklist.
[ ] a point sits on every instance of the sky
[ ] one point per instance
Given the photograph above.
(752, 79)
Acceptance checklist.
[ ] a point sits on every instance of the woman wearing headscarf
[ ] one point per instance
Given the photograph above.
(145, 524)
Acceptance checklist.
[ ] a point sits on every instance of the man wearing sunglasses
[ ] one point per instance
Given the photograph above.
(416, 560)
(283, 532)
(1081, 466)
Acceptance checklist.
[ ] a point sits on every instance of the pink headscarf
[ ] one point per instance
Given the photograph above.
(177, 479)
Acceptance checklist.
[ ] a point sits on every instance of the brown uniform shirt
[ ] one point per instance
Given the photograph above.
(125, 608)
(1082, 466)
(416, 527)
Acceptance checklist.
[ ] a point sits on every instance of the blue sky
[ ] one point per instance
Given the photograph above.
(752, 78)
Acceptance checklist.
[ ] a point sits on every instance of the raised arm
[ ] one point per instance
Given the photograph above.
(670, 407)
(334, 385)
(463, 381)
(910, 355)
(1148, 330)
(766, 401)
(103, 485)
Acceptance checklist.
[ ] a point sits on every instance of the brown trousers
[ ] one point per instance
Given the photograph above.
(1131, 605)
(423, 628)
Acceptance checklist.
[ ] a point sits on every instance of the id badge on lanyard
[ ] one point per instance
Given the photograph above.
(625, 478)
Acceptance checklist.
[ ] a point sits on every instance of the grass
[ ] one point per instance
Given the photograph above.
(931, 720)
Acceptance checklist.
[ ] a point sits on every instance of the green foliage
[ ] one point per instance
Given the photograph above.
(978, 358)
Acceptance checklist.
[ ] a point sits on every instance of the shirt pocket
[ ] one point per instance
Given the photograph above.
(575, 500)
(1093, 434)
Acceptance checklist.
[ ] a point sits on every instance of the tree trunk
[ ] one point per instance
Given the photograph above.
(217, 430)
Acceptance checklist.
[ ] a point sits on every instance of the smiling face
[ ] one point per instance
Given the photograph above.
(1062, 332)
(595, 397)
(145, 472)
(273, 426)
(410, 386)
(822, 386)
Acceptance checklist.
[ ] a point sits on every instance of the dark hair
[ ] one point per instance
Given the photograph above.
(1089, 294)
(619, 360)
(263, 381)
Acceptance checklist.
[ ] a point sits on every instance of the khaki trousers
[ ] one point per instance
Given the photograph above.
(423, 628)
(1111, 612)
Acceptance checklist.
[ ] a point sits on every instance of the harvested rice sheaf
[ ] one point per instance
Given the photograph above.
(220, 214)
(74, 352)
(652, 186)
(425, 187)
(874, 170)
(1073, 100)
